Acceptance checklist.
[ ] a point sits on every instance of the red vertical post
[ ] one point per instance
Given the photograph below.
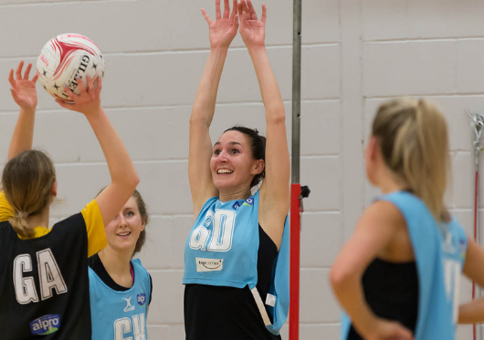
(476, 207)
(295, 261)
(295, 169)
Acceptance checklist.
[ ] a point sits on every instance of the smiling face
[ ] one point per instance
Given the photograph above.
(232, 164)
(124, 230)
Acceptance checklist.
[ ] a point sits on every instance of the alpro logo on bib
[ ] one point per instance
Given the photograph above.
(46, 324)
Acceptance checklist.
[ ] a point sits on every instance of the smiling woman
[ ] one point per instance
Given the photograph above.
(241, 149)
(236, 255)
(114, 278)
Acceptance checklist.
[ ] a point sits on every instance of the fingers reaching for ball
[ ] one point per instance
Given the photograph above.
(88, 101)
(98, 84)
(69, 93)
(81, 87)
(22, 89)
(18, 72)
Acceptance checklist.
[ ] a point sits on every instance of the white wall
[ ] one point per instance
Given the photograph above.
(355, 55)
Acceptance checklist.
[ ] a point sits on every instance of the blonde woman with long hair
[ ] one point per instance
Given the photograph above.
(398, 275)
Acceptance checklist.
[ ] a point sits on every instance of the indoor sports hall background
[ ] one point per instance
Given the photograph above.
(356, 53)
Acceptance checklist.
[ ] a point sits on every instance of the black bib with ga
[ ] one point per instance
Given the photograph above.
(45, 287)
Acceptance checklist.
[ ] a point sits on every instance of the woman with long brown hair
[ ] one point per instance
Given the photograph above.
(120, 287)
(236, 256)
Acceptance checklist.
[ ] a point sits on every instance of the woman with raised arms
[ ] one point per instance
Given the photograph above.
(236, 255)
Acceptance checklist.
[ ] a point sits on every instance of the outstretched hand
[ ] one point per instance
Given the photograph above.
(252, 29)
(22, 89)
(88, 102)
(224, 29)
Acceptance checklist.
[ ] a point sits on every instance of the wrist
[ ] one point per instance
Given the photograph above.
(366, 324)
(255, 49)
(28, 110)
(218, 55)
(219, 49)
(94, 114)
(257, 52)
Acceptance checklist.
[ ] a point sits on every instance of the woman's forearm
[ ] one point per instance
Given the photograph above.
(349, 292)
(270, 92)
(23, 133)
(472, 312)
(206, 97)
(120, 166)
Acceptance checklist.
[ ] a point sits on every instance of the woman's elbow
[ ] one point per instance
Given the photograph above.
(277, 117)
(338, 276)
(133, 181)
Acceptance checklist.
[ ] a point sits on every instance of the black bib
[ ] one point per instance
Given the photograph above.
(45, 288)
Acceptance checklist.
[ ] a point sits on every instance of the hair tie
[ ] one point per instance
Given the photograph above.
(22, 214)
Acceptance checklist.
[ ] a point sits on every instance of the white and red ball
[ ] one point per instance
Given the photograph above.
(65, 58)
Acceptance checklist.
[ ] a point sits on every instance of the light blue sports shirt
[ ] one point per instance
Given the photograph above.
(439, 250)
(222, 250)
(120, 315)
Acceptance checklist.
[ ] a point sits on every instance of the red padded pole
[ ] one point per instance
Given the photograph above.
(295, 261)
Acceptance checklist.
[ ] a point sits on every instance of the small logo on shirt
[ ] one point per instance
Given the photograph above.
(463, 248)
(209, 265)
(46, 324)
(128, 307)
(236, 206)
(141, 298)
(249, 202)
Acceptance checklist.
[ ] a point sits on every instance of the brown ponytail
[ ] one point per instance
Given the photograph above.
(27, 181)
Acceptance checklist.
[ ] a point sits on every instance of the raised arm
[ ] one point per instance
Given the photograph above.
(123, 175)
(221, 32)
(275, 188)
(25, 95)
